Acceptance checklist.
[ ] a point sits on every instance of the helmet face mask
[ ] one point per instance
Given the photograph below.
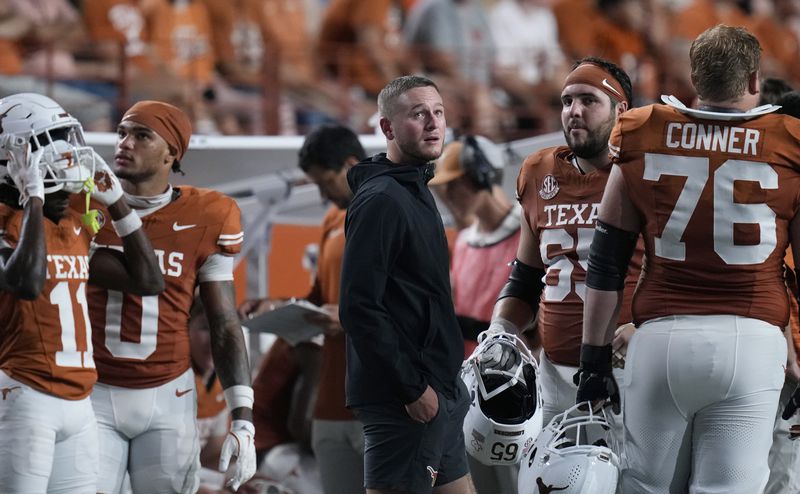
(572, 455)
(506, 411)
(34, 127)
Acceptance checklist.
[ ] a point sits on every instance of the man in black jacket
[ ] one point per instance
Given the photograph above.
(404, 345)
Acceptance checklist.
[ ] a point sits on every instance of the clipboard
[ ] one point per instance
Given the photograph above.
(289, 322)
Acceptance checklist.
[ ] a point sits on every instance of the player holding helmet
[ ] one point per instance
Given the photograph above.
(48, 433)
(506, 412)
(560, 189)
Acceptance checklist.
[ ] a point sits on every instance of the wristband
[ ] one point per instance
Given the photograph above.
(127, 224)
(596, 358)
(503, 325)
(239, 396)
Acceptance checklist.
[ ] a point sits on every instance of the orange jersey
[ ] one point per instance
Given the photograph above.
(45, 342)
(181, 36)
(715, 198)
(141, 342)
(330, 403)
(126, 22)
(560, 205)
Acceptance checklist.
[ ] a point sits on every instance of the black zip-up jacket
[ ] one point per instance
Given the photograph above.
(395, 303)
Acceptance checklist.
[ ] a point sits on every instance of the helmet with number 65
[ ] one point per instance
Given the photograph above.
(506, 411)
(31, 122)
(571, 455)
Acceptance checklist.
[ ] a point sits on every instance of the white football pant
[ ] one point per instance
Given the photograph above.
(559, 393)
(47, 444)
(700, 399)
(151, 433)
(784, 455)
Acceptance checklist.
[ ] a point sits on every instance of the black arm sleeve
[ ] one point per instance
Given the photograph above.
(525, 283)
(609, 256)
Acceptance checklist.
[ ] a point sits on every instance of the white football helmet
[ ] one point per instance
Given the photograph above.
(506, 411)
(29, 122)
(571, 456)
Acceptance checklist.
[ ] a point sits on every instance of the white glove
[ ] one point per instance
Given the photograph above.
(239, 443)
(23, 168)
(107, 188)
(496, 354)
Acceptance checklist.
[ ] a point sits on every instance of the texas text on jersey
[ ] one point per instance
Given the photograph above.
(142, 342)
(45, 342)
(560, 205)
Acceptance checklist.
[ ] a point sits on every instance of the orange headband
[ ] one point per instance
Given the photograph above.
(596, 76)
(165, 120)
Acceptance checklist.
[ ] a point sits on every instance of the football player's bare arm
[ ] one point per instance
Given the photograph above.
(601, 307)
(135, 269)
(515, 309)
(227, 339)
(24, 268)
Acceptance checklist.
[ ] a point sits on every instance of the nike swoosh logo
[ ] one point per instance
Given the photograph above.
(177, 227)
(181, 393)
(77, 230)
(609, 86)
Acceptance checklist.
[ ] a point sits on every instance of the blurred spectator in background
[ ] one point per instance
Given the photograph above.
(263, 47)
(121, 34)
(575, 19)
(466, 181)
(529, 61)
(359, 43)
(691, 18)
(633, 34)
(454, 45)
(36, 43)
(775, 23)
(772, 90)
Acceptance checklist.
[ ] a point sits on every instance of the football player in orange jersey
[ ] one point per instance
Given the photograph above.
(48, 433)
(560, 190)
(715, 193)
(144, 399)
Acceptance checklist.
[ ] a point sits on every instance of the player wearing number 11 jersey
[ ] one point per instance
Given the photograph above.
(715, 194)
(48, 433)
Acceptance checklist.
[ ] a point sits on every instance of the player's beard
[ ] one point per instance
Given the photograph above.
(596, 142)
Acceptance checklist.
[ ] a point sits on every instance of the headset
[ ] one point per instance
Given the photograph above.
(476, 165)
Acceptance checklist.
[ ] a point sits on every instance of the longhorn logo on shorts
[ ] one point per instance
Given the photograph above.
(5, 392)
(547, 489)
(434, 474)
(549, 188)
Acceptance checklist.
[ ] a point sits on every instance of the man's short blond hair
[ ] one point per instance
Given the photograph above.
(387, 99)
(723, 58)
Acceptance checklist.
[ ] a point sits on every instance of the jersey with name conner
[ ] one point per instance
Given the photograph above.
(716, 197)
